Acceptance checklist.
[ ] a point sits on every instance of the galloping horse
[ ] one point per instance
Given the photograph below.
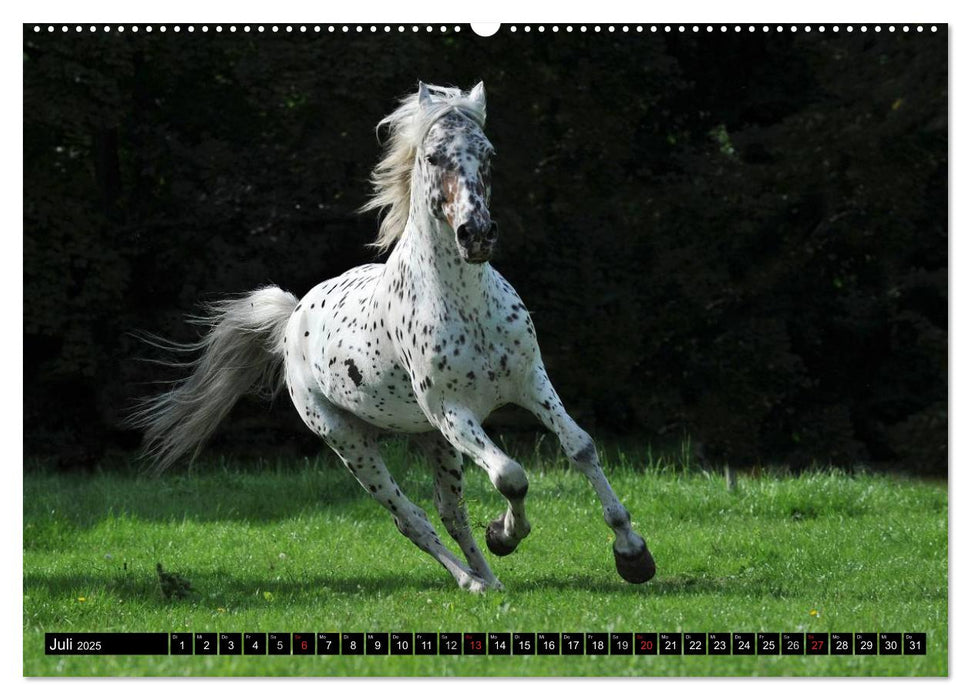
(429, 344)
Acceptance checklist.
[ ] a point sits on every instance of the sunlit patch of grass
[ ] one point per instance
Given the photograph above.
(293, 546)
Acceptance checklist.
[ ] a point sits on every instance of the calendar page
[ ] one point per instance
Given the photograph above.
(525, 349)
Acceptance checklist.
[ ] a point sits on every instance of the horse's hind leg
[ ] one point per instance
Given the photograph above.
(356, 444)
(447, 462)
(631, 555)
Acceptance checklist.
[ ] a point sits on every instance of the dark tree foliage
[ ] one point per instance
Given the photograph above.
(737, 238)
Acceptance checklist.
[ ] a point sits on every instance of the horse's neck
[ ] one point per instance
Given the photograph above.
(427, 252)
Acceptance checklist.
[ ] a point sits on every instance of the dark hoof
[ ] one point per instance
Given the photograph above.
(635, 568)
(494, 541)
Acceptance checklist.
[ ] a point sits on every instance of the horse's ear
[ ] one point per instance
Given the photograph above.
(477, 95)
(424, 97)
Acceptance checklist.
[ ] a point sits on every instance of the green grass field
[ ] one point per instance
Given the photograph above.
(300, 547)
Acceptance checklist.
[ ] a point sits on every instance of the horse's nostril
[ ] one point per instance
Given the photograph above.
(463, 233)
(493, 233)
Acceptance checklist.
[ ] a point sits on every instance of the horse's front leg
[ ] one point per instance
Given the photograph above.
(631, 555)
(465, 433)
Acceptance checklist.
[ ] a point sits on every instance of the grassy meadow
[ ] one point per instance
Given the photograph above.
(299, 547)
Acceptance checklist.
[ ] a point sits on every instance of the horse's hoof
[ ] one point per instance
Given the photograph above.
(476, 584)
(637, 567)
(494, 539)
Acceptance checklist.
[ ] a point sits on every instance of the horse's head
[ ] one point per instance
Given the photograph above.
(454, 159)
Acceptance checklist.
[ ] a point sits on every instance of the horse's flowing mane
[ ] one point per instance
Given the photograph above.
(406, 129)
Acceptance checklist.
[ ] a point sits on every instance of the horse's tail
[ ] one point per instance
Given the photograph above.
(242, 352)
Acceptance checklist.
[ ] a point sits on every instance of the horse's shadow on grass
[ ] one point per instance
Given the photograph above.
(219, 496)
(662, 586)
(248, 592)
(225, 591)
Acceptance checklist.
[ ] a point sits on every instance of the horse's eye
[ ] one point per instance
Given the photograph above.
(432, 159)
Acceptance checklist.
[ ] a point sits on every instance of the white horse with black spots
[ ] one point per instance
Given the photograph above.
(429, 344)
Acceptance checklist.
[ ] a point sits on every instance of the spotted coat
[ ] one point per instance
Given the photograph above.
(428, 344)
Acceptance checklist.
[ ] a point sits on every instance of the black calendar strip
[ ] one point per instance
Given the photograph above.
(487, 643)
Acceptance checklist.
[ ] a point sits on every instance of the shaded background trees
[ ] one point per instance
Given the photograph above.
(738, 238)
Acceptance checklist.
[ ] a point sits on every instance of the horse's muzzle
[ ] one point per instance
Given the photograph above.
(476, 243)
